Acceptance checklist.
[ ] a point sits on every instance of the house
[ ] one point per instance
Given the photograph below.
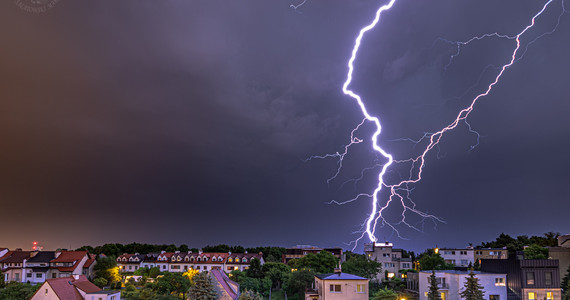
(75, 287)
(561, 253)
(68, 263)
(12, 265)
(457, 256)
(183, 261)
(452, 282)
(390, 258)
(338, 285)
(302, 250)
(226, 288)
(37, 268)
(88, 267)
(527, 279)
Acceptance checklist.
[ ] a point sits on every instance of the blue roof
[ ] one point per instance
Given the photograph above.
(339, 276)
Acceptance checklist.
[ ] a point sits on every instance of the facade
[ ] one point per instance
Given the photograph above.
(452, 282)
(390, 258)
(183, 261)
(68, 263)
(458, 257)
(300, 251)
(13, 265)
(75, 287)
(491, 253)
(562, 253)
(37, 267)
(337, 286)
(527, 279)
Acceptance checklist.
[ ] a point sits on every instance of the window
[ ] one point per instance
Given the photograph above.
(532, 296)
(530, 278)
(494, 297)
(453, 252)
(244, 260)
(230, 269)
(463, 252)
(390, 275)
(500, 281)
(548, 278)
(360, 288)
(29, 275)
(491, 253)
(335, 288)
(46, 291)
(549, 296)
(163, 267)
(54, 275)
(214, 259)
(39, 275)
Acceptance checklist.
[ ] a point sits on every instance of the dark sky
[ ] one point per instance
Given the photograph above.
(188, 121)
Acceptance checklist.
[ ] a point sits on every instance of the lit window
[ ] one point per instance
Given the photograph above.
(494, 297)
(443, 296)
(530, 278)
(532, 296)
(335, 288)
(360, 288)
(499, 281)
(549, 296)
(390, 275)
(230, 259)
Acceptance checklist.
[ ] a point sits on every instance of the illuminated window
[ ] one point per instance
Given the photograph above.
(244, 260)
(499, 281)
(443, 296)
(494, 297)
(390, 275)
(360, 288)
(335, 288)
(549, 296)
(230, 259)
(548, 278)
(532, 296)
(530, 278)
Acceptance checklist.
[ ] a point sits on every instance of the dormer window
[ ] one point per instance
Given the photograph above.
(179, 258)
(199, 259)
(220, 258)
(192, 258)
(244, 260)
(230, 259)
(213, 259)
(186, 258)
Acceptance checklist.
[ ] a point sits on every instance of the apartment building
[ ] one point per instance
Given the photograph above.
(457, 256)
(527, 279)
(390, 258)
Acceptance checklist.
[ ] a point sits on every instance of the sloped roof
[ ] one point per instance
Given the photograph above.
(90, 261)
(66, 288)
(43, 257)
(70, 256)
(227, 288)
(339, 276)
(15, 257)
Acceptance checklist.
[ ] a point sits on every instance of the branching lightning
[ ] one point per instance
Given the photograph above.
(400, 191)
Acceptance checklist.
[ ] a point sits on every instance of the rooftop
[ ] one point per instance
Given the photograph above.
(339, 276)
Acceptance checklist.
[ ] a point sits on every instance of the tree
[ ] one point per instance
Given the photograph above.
(473, 290)
(566, 282)
(2, 283)
(566, 295)
(100, 282)
(154, 272)
(18, 291)
(106, 267)
(203, 289)
(174, 284)
(190, 274)
(362, 266)
(434, 261)
(276, 272)
(250, 295)
(385, 294)
(433, 293)
(299, 281)
(535, 251)
(477, 265)
(254, 270)
(323, 262)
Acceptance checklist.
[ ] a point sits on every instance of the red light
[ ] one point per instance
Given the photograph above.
(35, 243)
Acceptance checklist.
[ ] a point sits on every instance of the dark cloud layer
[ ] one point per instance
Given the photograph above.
(188, 121)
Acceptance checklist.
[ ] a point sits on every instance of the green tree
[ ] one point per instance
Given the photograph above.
(276, 272)
(566, 282)
(154, 272)
(299, 281)
(385, 294)
(473, 290)
(2, 283)
(250, 295)
(433, 292)
(362, 266)
(254, 270)
(100, 282)
(203, 289)
(104, 268)
(323, 262)
(174, 284)
(18, 291)
(535, 251)
(566, 294)
(477, 265)
(434, 261)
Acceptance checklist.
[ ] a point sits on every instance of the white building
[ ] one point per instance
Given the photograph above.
(458, 257)
(451, 284)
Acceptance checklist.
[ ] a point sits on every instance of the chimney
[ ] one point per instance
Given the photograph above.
(338, 269)
(177, 252)
(200, 251)
(57, 253)
(162, 252)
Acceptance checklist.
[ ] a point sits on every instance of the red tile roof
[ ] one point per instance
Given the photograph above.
(15, 257)
(70, 256)
(90, 261)
(66, 288)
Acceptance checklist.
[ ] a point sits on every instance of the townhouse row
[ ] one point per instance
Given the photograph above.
(183, 261)
(38, 266)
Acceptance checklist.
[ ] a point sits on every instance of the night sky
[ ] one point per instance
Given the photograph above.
(189, 121)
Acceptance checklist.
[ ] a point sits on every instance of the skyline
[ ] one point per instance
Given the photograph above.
(122, 125)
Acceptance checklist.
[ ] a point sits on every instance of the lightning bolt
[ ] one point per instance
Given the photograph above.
(400, 191)
(297, 6)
